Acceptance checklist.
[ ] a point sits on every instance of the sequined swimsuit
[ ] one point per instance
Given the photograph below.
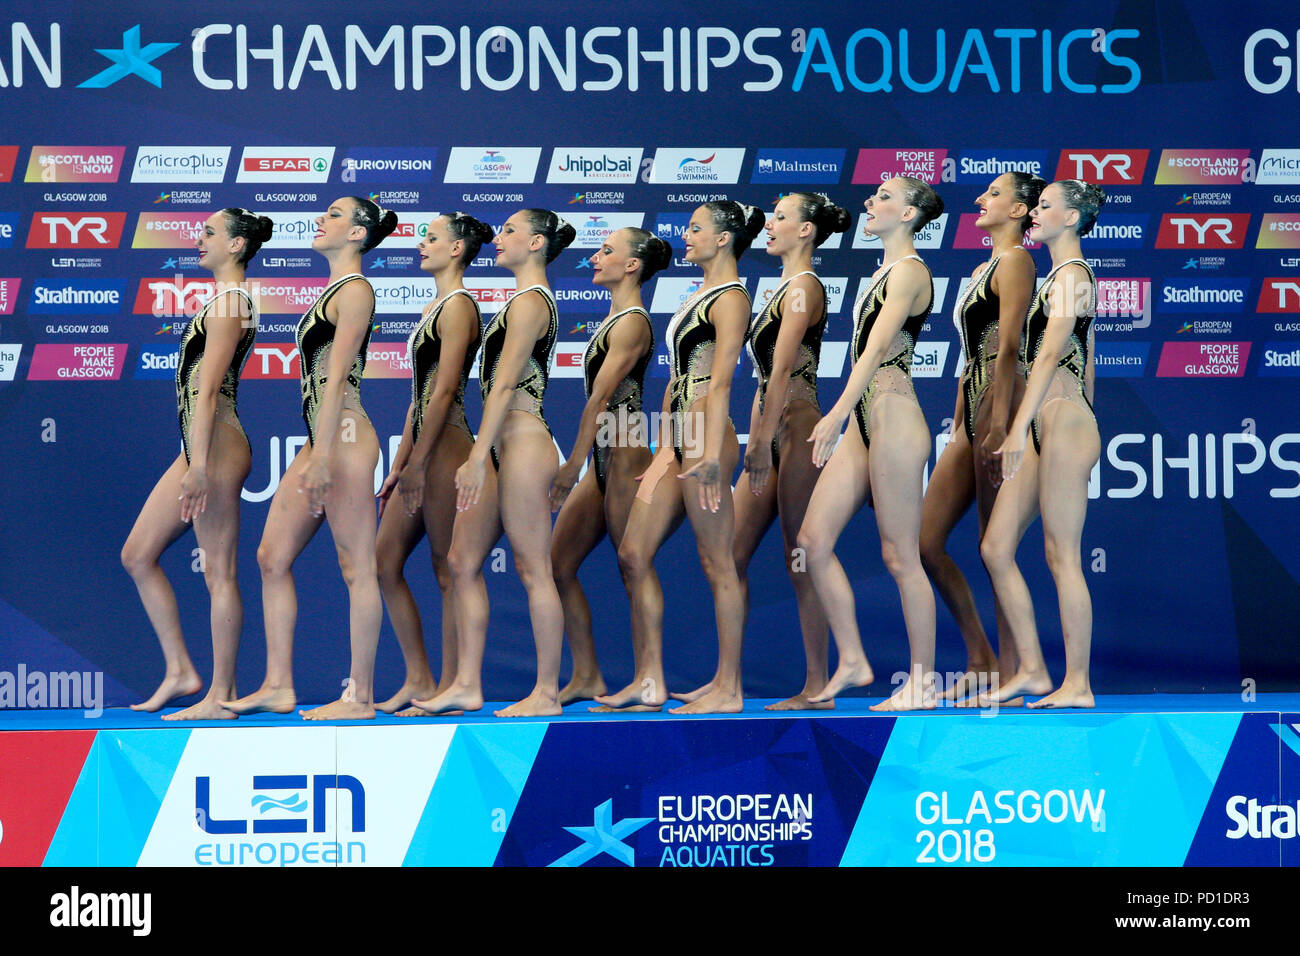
(763, 333)
(530, 392)
(895, 372)
(315, 339)
(977, 322)
(627, 394)
(189, 365)
(425, 349)
(1069, 380)
(691, 341)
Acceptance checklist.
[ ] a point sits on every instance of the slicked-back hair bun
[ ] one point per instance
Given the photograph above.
(654, 253)
(1084, 198)
(929, 206)
(1026, 187)
(826, 217)
(377, 222)
(472, 232)
(252, 228)
(557, 233)
(744, 222)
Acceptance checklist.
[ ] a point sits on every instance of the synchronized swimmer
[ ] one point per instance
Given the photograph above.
(1023, 442)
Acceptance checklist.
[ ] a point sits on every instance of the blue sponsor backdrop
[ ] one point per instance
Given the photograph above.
(1189, 547)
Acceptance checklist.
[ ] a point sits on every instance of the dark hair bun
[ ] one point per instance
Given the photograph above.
(564, 236)
(1086, 198)
(742, 221)
(265, 228)
(253, 229)
(755, 219)
(557, 233)
(654, 253)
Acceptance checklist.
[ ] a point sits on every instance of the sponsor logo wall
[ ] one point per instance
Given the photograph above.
(1195, 253)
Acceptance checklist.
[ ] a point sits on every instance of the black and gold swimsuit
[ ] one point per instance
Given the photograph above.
(895, 372)
(1070, 379)
(628, 394)
(691, 341)
(763, 333)
(977, 322)
(530, 392)
(425, 349)
(190, 363)
(315, 339)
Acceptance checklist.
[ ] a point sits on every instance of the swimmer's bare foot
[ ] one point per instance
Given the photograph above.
(969, 684)
(273, 700)
(209, 708)
(648, 691)
(803, 701)
(181, 684)
(583, 688)
(420, 712)
(716, 701)
(1021, 683)
(539, 703)
(693, 695)
(341, 710)
(452, 700)
(631, 709)
(422, 689)
(913, 695)
(1067, 695)
(851, 674)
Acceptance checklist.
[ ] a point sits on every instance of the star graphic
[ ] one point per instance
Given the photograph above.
(379, 264)
(577, 197)
(169, 264)
(583, 264)
(131, 58)
(604, 836)
(1191, 264)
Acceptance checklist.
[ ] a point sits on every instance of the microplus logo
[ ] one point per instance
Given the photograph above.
(181, 164)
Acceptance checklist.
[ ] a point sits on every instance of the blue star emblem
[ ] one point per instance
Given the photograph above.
(583, 264)
(604, 836)
(1190, 264)
(379, 264)
(169, 264)
(131, 58)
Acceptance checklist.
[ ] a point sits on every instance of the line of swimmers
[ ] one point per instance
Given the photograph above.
(1024, 441)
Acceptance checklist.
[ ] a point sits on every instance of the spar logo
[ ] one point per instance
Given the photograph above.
(1260, 821)
(566, 362)
(281, 804)
(878, 165)
(1279, 230)
(1209, 231)
(798, 166)
(285, 164)
(75, 230)
(1279, 295)
(413, 225)
(168, 230)
(1202, 167)
(578, 165)
(1106, 167)
(497, 164)
(180, 164)
(706, 165)
(75, 164)
(1203, 360)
